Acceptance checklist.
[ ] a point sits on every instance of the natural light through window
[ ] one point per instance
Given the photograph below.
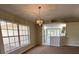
(14, 35)
(24, 35)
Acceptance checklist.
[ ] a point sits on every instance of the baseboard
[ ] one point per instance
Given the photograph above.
(29, 49)
(72, 45)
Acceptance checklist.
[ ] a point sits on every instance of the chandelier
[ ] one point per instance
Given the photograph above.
(39, 21)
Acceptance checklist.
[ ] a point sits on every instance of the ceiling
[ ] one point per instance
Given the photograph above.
(48, 11)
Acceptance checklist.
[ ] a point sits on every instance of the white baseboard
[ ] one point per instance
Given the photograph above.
(28, 48)
(72, 45)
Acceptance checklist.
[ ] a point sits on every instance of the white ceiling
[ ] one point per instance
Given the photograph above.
(48, 11)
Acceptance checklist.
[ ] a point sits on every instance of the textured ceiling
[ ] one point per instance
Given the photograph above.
(48, 11)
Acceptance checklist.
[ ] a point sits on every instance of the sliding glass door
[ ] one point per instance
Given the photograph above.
(55, 34)
(52, 36)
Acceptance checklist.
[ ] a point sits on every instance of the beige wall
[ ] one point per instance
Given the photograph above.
(73, 34)
(39, 35)
(13, 18)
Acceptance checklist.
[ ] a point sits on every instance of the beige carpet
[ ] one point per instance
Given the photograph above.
(53, 50)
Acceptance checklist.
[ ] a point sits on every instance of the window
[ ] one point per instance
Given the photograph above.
(24, 35)
(11, 33)
(54, 32)
(9, 37)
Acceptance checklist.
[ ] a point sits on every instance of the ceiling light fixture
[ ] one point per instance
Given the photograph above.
(39, 21)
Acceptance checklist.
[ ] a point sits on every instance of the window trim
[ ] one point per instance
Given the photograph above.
(14, 36)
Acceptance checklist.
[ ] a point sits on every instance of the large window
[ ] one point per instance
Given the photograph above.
(14, 36)
(24, 35)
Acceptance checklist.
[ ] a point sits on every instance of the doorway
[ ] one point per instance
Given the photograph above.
(52, 34)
